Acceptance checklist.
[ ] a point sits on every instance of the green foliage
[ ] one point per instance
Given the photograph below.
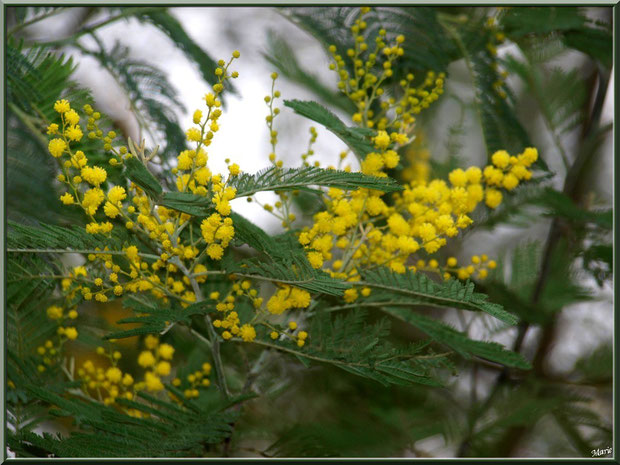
(560, 94)
(348, 343)
(294, 269)
(412, 288)
(277, 180)
(108, 433)
(501, 128)
(425, 46)
(25, 296)
(352, 413)
(559, 205)
(153, 319)
(575, 29)
(460, 342)
(519, 22)
(192, 204)
(139, 173)
(55, 237)
(355, 138)
(36, 78)
(517, 291)
(284, 179)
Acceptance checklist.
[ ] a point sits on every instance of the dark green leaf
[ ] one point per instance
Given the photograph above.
(356, 139)
(186, 202)
(138, 173)
(460, 342)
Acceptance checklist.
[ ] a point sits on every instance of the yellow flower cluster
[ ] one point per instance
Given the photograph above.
(162, 275)
(217, 233)
(193, 381)
(496, 38)
(156, 360)
(478, 266)
(104, 380)
(362, 229)
(231, 323)
(286, 298)
(300, 338)
(50, 351)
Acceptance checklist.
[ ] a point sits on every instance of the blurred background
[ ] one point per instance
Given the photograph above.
(557, 92)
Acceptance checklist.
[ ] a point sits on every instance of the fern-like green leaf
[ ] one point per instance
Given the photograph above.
(153, 319)
(417, 289)
(445, 334)
(105, 432)
(283, 179)
(280, 179)
(350, 344)
(139, 173)
(356, 138)
(56, 237)
(186, 202)
(294, 270)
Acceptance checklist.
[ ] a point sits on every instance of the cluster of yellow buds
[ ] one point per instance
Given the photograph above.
(299, 338)
(50, 352)
(192, 383)
(102, 378)
(478, 266)
(360, 230)
(231, 323)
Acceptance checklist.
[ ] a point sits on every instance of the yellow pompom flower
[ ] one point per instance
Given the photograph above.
(166, 351)
(529, 156)
(67, 198)
(185, 160)
(163, 368)
(92, 199)
(391, 159)
(127, 379)
(54, 312)
(62, 106)
(146, 359)
(150, 341)
(152, 382)
(114, 374)
(501, 159)
(94, 175)
(315, 259)
(510, 181)
(247, 333)
(215, 251)
(458, 177)
(234, 169)
(71, 333)
(57, 147)
(493, 198)
(116, 194)
(382, 140)
(193, 134)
